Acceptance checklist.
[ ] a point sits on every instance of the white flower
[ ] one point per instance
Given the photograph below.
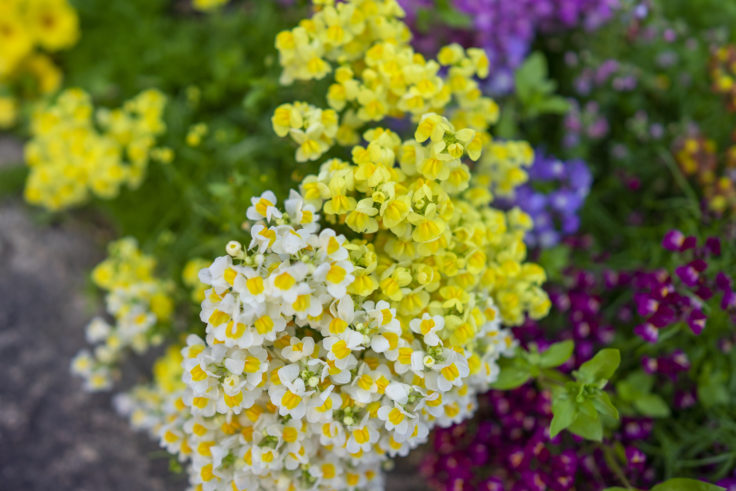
(298, 348)
(428, 326)
(263, 206)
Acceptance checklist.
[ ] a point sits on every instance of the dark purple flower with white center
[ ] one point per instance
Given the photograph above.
(647, 331)
(673, 240)
(646, 305)
(636, 429)
(696, 321)
(650, 365)
(687, 274)
(635, 458)
(685, 399)
(491, 484)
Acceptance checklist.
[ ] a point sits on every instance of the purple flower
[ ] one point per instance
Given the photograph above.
(647, 331)
(635, 458)
(555, 212)
(506, 29)
(713, 246)
(688, 274)
(696, 321)
(673, 240)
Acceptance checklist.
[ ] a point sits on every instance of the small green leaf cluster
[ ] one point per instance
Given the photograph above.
(581, 405)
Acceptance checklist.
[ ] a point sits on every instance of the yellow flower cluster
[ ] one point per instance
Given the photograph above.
(436, 239)
(697, 157)
(77, 149)
(136, 300)
(312, 128)
(27, 28)
(377, 74)
(723, 73)
(368, 309)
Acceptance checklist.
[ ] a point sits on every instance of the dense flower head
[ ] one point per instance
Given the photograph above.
(663, 299)
(321, 384)
(507, 446)
(364, 45)
(342, 352)
(552, 197)
(138, 303)
(77, 150)
(368, 308)
(28, 30)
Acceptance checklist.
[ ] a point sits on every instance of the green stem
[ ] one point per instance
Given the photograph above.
(681, 180)
(613, 463)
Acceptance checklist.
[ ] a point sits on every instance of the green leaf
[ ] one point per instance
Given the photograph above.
(563, 414)
(605, 407)
(557, 354)
(530, 75)
(712, 388)
(635, 385)
(12, 179)
(511, 377)
(683, 484)
(554, 260)
(601, 367)
(553, 105)
(651, 405)
(455, 19)
(587, 427)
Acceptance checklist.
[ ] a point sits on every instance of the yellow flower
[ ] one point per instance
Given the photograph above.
(53, 23)
(77, 151)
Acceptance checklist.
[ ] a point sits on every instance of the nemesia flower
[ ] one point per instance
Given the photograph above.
(368, 309)
(28, 30)
(71, 157)
(136, 300)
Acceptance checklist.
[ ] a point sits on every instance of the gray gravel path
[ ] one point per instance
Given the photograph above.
(52, 434)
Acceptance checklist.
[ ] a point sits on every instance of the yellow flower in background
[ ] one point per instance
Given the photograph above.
(207, 5)
(77, 150)
(28, 30)
(138, 303)
(52, 23)
(16, 40)
(190, 277)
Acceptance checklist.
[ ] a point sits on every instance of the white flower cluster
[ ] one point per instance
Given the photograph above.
(296, 385)
(136, 300)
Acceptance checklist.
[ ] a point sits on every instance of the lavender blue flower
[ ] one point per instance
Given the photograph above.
(553, 196)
